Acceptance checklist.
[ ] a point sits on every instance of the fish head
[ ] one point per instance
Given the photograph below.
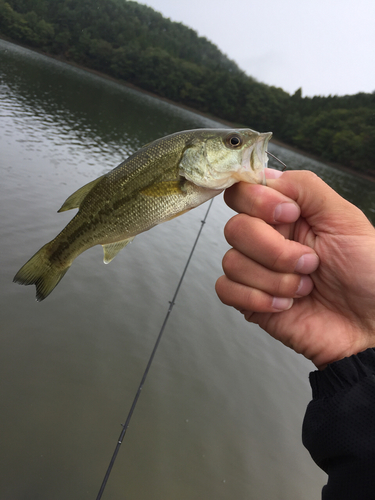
(218, 158)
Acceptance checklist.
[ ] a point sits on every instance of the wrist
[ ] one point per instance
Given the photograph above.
(343, 373)
(321, 362)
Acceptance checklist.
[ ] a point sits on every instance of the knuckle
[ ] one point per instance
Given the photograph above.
(310, 176)
(256, 300)
(284, 259)
(220, 288)
(305, 176)
(287, 285)
(280, 259)
(234, 228)
(229, 260)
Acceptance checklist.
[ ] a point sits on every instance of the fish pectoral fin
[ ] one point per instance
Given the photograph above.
(112, 249)
(164, 188)
(75, 199)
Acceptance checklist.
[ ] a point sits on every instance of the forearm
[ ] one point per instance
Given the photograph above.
(339, 426)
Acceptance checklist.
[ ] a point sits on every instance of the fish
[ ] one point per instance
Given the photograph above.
(162, 180)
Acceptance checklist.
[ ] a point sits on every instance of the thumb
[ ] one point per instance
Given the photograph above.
(320, 205)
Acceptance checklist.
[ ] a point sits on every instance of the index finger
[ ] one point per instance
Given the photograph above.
(262, 202)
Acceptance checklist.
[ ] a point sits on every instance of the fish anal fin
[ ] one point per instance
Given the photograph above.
(112, 249)
(75, 199)
(164, 188)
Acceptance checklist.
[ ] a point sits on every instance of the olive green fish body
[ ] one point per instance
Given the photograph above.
(157, 183)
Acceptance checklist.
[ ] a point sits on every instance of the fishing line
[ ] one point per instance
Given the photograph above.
(140, 387)
(277, 159)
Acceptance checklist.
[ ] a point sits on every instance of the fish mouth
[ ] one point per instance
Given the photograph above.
(255, 159)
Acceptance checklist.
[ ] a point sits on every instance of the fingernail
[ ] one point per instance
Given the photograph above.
(281, 303)
(286, 212)
(305, 286)
(307, 263)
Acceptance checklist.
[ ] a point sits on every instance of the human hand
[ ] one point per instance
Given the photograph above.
(302, 265)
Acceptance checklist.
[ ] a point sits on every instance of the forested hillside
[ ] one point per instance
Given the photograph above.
(134, 43)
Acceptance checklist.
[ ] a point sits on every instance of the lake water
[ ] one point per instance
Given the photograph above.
(221, 412)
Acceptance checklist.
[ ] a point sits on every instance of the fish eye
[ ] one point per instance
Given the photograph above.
(233, 141)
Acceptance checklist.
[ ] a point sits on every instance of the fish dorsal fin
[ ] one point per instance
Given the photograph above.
(75, 199)
(112, 249)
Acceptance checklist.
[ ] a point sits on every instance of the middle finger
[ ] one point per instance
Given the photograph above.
(262, 243)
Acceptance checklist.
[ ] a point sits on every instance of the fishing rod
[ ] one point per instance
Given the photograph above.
(145, 373)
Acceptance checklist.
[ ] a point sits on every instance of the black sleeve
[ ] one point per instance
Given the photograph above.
(339, 426)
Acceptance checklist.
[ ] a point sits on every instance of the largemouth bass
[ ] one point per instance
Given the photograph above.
(162, 180)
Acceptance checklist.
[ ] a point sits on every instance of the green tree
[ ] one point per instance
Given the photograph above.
(131, 41)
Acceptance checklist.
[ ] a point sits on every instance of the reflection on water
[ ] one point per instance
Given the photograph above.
(220, 415)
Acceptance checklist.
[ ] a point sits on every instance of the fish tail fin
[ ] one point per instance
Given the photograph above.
(41, 272)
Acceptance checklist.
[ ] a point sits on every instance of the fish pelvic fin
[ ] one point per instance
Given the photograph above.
(41, 272)
(75, 199)
(112, 249)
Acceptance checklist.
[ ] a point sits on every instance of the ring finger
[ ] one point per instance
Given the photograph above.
(241, 269)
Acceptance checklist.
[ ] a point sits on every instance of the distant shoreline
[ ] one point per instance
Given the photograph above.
(367, 176)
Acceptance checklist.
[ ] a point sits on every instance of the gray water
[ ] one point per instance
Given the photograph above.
(221, 412)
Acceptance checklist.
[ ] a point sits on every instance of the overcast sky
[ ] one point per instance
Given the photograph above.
(324, 46)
